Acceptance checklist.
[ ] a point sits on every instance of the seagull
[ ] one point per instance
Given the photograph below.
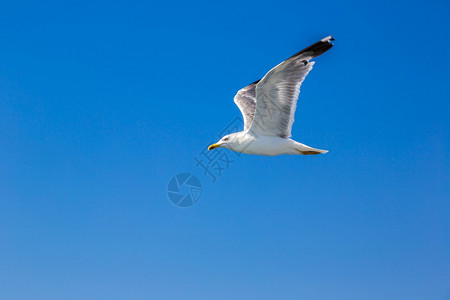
(268, 107)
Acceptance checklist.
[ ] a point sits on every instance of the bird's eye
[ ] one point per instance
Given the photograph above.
(226, 139)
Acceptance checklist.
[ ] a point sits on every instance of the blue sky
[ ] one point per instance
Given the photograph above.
(101, 103)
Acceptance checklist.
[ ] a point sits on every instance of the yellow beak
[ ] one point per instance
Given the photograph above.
(213, 146)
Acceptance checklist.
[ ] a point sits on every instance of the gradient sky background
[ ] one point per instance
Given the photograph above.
(101, 103)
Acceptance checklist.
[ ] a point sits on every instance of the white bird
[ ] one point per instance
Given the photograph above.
(268, 107)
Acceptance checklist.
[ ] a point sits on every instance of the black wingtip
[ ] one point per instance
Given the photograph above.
(318, 48)
(256, 82)
(315, 50)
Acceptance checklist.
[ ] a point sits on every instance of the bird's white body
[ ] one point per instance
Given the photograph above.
(268, 107)
(250, 143)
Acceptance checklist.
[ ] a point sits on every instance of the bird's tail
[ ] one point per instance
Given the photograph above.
(306, 150)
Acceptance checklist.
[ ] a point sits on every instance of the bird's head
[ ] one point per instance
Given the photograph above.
(229, 141)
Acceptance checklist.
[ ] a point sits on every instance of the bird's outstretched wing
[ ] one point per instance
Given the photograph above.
(277, 93)
(245, 99)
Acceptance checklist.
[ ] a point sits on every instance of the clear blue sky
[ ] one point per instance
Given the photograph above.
(101, 103)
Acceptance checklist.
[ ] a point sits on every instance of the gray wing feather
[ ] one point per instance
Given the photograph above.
(276, 97)
(268, 105)
(245, 99)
